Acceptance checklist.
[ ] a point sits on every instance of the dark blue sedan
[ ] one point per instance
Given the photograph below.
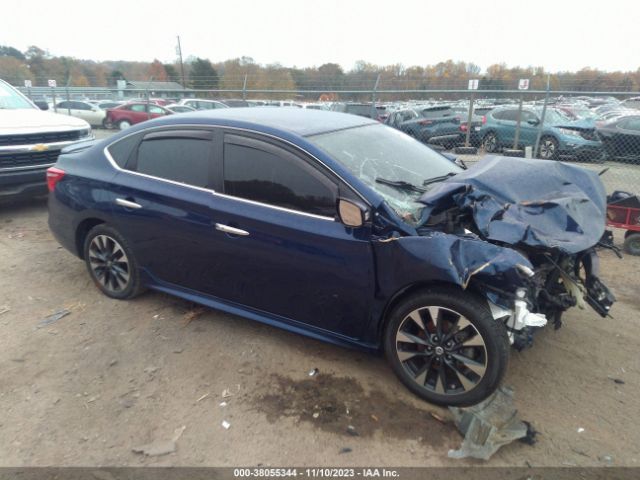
(308, 220)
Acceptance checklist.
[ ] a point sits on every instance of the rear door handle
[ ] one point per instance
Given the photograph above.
(233, 231)
(127, 203)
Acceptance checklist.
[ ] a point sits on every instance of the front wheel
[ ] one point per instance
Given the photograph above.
(446, 347)
(490, 143)
(111, 263)
(548, 148)
(123, 124)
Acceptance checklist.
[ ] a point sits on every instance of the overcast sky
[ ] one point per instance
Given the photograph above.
(559, 35)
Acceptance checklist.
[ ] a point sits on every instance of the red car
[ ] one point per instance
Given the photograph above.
(135, 112)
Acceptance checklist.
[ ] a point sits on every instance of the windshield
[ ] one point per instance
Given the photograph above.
(10, 99)
(381, 156)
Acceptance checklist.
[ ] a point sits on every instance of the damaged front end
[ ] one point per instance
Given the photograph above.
(549, 214)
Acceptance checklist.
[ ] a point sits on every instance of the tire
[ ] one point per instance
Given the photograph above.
(490, 143)
(123, 124)
(548, 148)
(111, 263)
(106, 124)
(632, 243)
(434, 363)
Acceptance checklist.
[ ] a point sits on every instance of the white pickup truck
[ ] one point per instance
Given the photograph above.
(30, 142)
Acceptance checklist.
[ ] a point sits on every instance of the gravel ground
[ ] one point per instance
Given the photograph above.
(112, 376)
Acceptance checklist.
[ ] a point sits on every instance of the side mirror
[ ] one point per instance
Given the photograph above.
(351, 213)
(41, 105)
(533, 121)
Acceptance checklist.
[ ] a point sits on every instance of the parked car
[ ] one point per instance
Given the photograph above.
(435, 125)
(340, 228)
(621, 137)
(132, 113)
(576, 111)
(30, 142)
(235, 103)
(177, 108)
(91, 114)
(379, 112)
(560, 135)
(202, 104)
(633, 102)
(104, 104)
(477, 120)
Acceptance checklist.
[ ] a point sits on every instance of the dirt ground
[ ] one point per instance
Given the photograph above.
(112, 376)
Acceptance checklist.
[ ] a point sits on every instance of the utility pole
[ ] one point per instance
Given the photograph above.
(184, 84)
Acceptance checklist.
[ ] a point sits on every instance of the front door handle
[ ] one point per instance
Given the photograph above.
(127, 203)
(231, 230)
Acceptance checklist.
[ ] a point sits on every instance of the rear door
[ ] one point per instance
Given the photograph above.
(279, 247)
(506, 120)
(163, 204)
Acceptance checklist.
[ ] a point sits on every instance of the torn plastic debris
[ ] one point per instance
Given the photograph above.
(539, 203)
(489, 425)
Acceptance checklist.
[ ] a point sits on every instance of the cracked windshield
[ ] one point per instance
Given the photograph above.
(395, 165)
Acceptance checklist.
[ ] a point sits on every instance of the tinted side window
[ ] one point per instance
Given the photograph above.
(184, 160)
(64, 105)
(121, 150)
(281, 180)
(136, 107)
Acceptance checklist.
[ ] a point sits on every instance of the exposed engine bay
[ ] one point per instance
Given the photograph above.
(551, 213)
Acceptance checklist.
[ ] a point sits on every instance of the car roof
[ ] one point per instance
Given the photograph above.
(293, 120)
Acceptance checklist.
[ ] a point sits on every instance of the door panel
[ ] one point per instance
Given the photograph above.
(308, 269)
(305, 267)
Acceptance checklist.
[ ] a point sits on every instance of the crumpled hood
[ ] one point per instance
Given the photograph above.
(539, 203)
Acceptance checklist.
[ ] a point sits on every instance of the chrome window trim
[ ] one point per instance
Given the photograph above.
(245, 200)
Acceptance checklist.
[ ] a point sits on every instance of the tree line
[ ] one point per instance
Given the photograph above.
(38, 65)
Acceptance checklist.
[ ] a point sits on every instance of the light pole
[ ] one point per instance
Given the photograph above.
(184, 85)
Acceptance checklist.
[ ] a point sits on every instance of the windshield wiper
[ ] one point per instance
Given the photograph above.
(401, 184)
(438, 179)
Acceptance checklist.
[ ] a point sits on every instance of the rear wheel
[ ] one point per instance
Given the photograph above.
(446, 347)
(111, 263)
(490, 143)
(632, 243)
(548, 148)
(122, 124)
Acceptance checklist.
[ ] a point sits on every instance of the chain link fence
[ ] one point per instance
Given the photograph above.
(594, 121)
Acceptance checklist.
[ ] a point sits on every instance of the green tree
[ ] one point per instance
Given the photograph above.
(203, 75)
(115, 76)
(172, 73)
(7, 51)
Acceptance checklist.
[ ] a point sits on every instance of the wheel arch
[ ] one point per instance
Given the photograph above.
(82, 230)
(405, 293)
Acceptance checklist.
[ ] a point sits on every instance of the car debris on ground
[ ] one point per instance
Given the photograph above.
(489, 425)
